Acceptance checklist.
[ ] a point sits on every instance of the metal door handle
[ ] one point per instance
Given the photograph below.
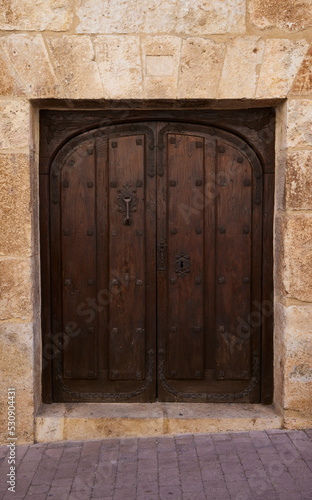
(127, 200)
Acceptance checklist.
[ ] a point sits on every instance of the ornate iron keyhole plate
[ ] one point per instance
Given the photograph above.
(127, 202)
(182, 264)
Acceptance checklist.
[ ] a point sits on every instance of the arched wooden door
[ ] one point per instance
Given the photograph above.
(155, 264)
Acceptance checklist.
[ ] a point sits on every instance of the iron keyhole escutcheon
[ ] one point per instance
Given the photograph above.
(127, 200)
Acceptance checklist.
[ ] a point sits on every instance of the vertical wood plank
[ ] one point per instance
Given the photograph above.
(233, 264)
(102, 253)
(127, 258)
(210, 252)
(185, 219)
(78, 240)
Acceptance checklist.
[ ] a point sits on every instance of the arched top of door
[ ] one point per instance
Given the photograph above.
(84, 143)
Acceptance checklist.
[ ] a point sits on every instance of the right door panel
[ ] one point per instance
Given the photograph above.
(209, 216)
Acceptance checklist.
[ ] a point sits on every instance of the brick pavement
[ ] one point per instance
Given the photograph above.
(240, 466)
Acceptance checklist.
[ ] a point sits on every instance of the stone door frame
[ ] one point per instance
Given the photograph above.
(283, 80)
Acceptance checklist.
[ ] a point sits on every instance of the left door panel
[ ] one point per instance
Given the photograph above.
(102, 252)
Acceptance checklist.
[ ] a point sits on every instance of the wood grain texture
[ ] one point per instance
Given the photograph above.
(203, 189)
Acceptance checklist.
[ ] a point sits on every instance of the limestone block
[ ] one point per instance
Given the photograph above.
(152, 17)
(299, 181)
(126, 16)
(279, 355)
(54, 15)
(282, 59)
(290, 15)
(161, 79)
(17, 372)
(15, 289)
(200, 69)
(298, 330)
(14, 124)
(199, 17)
(298, 396)
(9, 82)
(15, 217)
(298, 360)
(73, 59)
(297, 272)
(299, 123)
(291, 422)
(241, 67)
(29, 58)
(49, 429)
(119, 62)
(303, 81)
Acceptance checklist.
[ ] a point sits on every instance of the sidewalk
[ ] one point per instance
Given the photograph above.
(240, 466)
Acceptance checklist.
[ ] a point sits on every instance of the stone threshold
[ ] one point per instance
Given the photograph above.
(81, 421)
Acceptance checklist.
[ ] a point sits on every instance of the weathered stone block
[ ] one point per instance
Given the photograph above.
(73, 59)
(282, 59)
(151, 17)
(297, 256)
(241, 67)
(29, 58)
(17, 372)
(54, 15)
(119, 62)
(299, 181)
(159, 65)
(15, 216)
(157, 86)
(298, 359)
(126, 16)
(200, 69)
(14, 124)
(303, 81)
(9, 83)
(210, 17)
(298, 396)
(16, 289)
(299, 123)
(289, 15)
(279, 355)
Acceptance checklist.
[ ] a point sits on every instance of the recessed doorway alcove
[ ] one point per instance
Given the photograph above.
(157, 256)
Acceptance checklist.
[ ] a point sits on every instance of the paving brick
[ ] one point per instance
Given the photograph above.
(199, 495)
(267, 494)
(80, 495)
(221, 437)
(218, 493)
(41, 488)
(105, 490)
(166, 444)
(170, 492)
(34, 454)
(34, 496)
(169, 479)
(148, 488)
(242, 466)
(149, 496)
(203, 439)
(52, 453)
(60, 493)
(257, 471)
(224, 448)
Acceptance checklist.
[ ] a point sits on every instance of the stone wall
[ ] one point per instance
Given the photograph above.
(219, 50)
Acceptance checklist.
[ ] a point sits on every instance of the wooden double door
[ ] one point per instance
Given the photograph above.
(155, 262)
